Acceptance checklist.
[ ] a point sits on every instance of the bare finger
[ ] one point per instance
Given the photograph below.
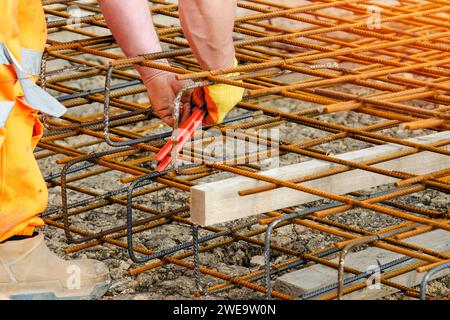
(186, 112)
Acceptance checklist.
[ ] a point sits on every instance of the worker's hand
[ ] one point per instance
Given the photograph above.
(219, 98)
(162, 89)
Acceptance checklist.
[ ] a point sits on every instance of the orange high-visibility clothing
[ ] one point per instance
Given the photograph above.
(23, 192)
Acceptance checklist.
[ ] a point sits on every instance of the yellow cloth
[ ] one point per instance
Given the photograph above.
(220, 99)
(23, 192)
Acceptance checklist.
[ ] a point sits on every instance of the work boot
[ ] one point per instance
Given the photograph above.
(30, 271)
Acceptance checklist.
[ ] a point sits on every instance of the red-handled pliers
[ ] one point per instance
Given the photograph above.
(185, 132)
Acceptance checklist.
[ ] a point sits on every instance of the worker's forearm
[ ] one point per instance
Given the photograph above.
(208, 26)
(131, 24)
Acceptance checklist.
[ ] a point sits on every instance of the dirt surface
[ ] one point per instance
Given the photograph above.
(174, 282)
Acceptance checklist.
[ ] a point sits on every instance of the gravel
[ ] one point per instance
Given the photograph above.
(174, 282)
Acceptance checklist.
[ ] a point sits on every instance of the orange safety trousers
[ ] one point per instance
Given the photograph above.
(23, 192)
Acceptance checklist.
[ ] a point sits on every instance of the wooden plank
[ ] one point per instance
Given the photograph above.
(318, 276)
(219, 201)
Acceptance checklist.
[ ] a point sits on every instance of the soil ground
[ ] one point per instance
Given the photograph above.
(174, 282)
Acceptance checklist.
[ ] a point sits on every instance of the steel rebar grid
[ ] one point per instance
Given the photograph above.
(286, 54)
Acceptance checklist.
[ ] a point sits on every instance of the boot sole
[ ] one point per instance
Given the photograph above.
(62, 294)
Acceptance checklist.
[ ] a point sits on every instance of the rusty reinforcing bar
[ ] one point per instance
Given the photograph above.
(394, 74)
